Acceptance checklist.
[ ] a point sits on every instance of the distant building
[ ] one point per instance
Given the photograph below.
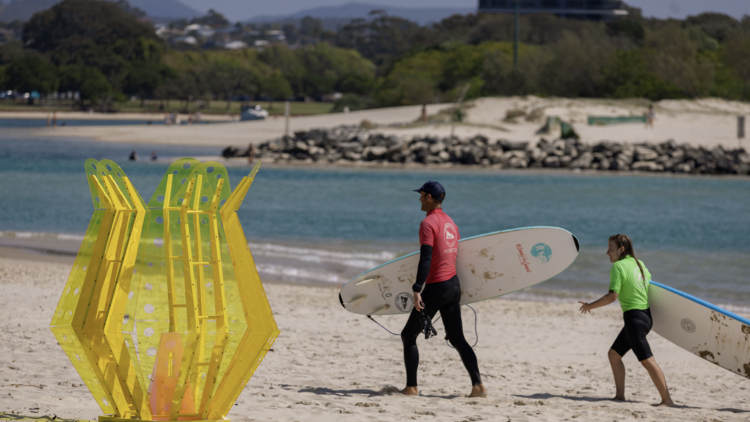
(597, 10)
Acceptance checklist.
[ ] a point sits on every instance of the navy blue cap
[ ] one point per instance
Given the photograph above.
(433, 188)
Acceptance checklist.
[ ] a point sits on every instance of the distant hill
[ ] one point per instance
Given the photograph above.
(158, 10)
(350, 11)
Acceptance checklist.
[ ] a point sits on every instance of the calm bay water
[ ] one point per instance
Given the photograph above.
(61, 121)
(328, 225)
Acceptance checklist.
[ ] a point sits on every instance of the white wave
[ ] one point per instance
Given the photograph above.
(70, 237)
(362, 260)
(29, 235)
(740, 310)
(300, 273)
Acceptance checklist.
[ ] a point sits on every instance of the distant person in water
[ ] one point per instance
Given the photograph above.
(153, 156)
(629, 281)
(133, 156)
(437, 289)
(54, 119)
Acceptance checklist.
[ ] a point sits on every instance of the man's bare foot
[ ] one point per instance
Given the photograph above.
(478, 391)
(410, 391)
(618, 398)
(665, 404)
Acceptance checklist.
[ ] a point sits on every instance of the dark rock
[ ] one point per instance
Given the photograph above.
(645, 154)
(583, 161)
(513, 145)
(496, 156)
(472, 155)
(352, 156)
(375, 153)
(552, 161)
(350, 147)
(646, 166)
(517, 163)
(230, 152)
(433, 159)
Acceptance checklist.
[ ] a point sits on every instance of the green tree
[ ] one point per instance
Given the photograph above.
(95, 88)
(411, 81)
(95, 34)
(356, 83)
(87, 32)
(277, 87)
(380, 38)
(675, 59)
(31, 72)
(229, 77)
(143, 78)
(287, 61)
(3, 78)
(578, 64)
(89, 82)
(737, 54)
(310, 28)
(632, 76)
(213, 19)
(716, 25)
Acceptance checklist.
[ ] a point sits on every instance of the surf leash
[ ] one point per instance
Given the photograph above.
(476, 333)
(373, 320)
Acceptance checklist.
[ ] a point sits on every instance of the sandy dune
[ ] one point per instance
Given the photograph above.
(539, 361)
(238, 133)
(708, 122)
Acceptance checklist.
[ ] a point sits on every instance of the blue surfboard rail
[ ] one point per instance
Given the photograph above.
(708, 305)
(462, 240)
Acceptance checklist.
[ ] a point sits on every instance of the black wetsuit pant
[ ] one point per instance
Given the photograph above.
(638, 324)
(444, 297)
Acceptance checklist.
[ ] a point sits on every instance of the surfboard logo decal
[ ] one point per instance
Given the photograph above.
(450, 235)
(688, 325)
(522, 258)
(542, 252)
(404, 302)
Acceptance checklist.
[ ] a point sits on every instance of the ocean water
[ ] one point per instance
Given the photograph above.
(328, 225)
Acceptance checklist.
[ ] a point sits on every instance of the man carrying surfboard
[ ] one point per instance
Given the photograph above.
(436, 273)
(629, 280)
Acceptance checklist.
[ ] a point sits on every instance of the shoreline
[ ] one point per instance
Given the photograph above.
(63, 249)
(82, 115)
(238, 162)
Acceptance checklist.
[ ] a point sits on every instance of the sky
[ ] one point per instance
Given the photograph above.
(243, 9)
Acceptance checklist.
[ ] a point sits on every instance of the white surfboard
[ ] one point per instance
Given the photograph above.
(488, 266)
(706, 330)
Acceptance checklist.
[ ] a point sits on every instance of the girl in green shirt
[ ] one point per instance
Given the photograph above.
(629, 280)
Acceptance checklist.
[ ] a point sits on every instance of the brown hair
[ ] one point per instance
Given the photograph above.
(622, 240)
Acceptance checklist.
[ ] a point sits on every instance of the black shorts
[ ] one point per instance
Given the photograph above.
(638, 324)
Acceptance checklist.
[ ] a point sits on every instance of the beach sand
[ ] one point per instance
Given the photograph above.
(706, 122)
(539, 362)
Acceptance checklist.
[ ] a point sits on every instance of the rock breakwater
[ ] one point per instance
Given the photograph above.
(347, 145)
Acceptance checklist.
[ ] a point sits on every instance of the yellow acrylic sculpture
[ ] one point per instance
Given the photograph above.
(164, 315)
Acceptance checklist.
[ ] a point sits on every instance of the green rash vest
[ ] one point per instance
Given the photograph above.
(625, 279)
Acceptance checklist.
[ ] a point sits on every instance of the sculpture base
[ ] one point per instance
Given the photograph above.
(115, 419)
